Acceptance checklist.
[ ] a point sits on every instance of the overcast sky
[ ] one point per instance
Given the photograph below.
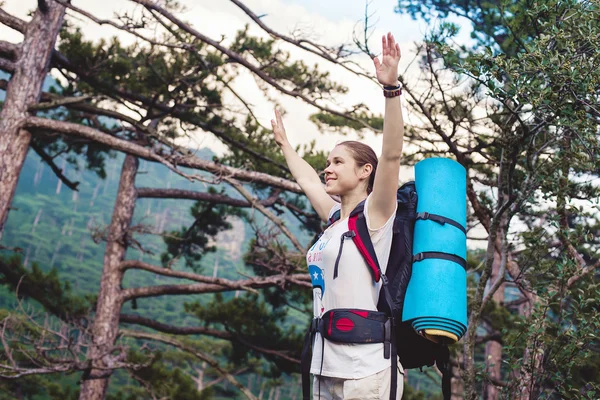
(330, 22)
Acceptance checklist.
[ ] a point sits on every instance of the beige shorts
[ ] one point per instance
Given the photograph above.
(373, 387)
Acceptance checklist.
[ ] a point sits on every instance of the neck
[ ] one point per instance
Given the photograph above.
(350, 201)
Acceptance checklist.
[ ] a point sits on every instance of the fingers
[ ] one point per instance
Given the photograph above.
(391, 43)
(278, 116)
(389, 46)
(376, 63)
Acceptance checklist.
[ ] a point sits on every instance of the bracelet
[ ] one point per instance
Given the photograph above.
(391, 91)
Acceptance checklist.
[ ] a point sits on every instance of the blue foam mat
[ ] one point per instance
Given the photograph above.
(437, 288)
(436, 296)
(442, 188)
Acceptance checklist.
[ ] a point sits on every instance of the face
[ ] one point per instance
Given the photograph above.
(342, 174)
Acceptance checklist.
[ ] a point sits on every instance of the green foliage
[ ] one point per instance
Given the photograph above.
(363, 120)
(65, 218)
(193, 242)
(255, 324)
(165, 377)
(297, 75)
(37, 387)
(46, 288)
(504, 24)
(532, 76)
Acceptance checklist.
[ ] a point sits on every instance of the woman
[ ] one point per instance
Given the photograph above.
(353, 173)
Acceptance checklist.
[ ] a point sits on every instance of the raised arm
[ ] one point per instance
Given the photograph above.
(383, 198)
(303, 173)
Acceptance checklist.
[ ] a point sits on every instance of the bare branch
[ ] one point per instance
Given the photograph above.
(7, 66)
(57, 102)
(57, 171)
(209, 286)
(12, 22)
(174, 110)
(266, 213)
(9, 50)
(227, 283)
(200, 196)
(125, 28)
(173, 330)
(43, 349)
(199, 330)
(242, 61)
(304, 44)
(172, 162)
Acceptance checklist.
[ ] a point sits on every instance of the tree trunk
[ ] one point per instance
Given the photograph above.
(24, 89)
(493, 349)
(106, 322)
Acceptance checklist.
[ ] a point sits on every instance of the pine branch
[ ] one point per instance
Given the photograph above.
(171, 329)
(199, 330)
(176, 110)
(189, 349)
(57, 171)
(225, 283)
(277, 221)
(124, 28)
(52, 101)
(171, 162)
(304, 44)
(238, 58)
(208, 285)
(200, 196)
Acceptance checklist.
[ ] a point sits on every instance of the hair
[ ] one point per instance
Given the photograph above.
(363, 154)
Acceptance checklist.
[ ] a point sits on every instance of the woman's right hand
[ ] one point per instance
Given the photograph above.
(279, 130)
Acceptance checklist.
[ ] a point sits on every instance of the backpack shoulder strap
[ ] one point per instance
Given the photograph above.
(362, 239)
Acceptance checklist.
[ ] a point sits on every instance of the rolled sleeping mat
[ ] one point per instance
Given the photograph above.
(436, 296)
(423, 323)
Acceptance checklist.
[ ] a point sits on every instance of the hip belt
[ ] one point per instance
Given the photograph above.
(344, 325)
(347, 325)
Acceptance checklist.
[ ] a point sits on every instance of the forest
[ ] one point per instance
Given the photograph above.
(136, 266)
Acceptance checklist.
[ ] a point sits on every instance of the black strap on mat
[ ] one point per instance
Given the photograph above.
(444, 256)
(440, 219)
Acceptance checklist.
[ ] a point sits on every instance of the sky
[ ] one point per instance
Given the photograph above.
(330, 22)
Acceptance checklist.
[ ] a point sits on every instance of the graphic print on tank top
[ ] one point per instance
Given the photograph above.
(314, 259)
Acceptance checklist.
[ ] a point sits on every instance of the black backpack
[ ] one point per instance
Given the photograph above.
(413, 349)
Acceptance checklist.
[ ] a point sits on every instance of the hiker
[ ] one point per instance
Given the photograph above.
(340, 276)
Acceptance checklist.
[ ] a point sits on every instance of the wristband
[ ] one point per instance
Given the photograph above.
(392, 91)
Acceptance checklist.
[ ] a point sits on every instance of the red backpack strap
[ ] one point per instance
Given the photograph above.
(362, 239)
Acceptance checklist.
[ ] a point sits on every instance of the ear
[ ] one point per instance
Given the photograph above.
(366, 171)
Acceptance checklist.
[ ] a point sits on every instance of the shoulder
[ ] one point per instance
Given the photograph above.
(336, 208)
(387, 226)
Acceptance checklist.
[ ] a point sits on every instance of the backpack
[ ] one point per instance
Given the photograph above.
(413, 349)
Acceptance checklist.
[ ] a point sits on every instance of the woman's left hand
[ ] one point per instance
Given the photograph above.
(387, 68)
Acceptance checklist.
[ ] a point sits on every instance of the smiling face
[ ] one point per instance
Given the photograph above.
(343, 174)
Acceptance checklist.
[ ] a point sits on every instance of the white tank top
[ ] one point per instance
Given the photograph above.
(353, 288)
